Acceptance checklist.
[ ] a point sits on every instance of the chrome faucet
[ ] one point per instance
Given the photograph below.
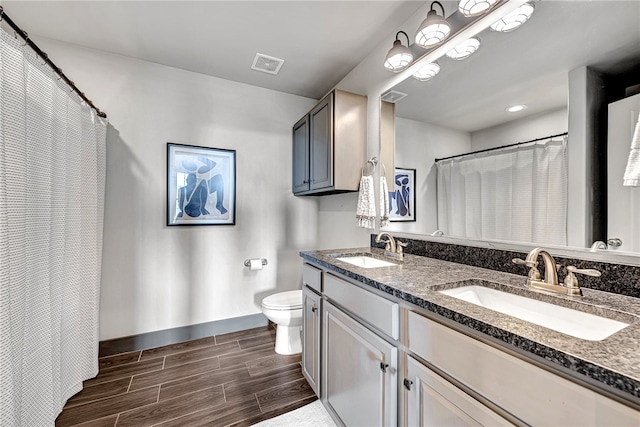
(550, 282)
(392, 249)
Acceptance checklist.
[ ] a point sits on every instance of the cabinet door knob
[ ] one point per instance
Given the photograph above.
(314, 308)
(384, 366)
(407, 384)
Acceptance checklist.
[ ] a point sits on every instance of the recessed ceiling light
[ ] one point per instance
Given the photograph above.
(515, 108)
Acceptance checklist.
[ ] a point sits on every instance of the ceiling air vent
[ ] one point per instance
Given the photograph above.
(267, 64)
(392, 96)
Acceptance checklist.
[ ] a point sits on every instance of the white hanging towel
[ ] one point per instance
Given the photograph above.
(384, 202)
(632, 172)
(366, 210)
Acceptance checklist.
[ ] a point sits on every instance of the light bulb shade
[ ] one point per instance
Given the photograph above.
(433, 30)
(464, 49)
(427, 72)
(514, 19)
(398, 58)
(475, 7)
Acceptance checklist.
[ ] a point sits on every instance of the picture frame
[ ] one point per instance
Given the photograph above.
(201, 185)
(402, 200)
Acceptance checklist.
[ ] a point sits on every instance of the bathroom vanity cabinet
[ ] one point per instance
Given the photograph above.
(360, 364)
(311, 325)
(515, 387)
(329, 145)
(386, 361)
(434, 401)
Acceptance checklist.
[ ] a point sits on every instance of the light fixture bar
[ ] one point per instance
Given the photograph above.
(463, 30)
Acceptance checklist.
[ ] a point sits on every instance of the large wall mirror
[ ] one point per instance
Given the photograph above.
(590, 45)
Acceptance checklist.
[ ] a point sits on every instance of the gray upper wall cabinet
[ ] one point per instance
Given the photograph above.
(329, 145)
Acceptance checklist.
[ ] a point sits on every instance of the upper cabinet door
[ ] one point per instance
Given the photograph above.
(321, 143)
(330, 145)
(301, 178)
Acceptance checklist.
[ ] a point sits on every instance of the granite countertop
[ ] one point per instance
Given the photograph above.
(614, 361)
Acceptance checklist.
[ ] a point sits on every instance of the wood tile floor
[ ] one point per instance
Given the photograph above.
(225, 380)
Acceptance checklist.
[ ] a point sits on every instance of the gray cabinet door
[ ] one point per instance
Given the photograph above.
(321, 143)
(433, 401)
(359, 372)
(311, 338)
(301, 178)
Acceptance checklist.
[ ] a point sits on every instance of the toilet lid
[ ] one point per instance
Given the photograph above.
(289, 300)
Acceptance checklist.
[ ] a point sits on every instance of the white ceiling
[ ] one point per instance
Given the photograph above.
(320, 41)
(527, 66)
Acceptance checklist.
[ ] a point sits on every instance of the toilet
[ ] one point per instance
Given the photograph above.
(285, 310)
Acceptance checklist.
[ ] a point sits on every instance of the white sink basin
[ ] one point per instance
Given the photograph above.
(366, 261)
(565, 320)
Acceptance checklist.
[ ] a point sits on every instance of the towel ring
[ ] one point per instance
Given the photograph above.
(372, 163)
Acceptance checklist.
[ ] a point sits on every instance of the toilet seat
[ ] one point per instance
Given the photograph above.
(290, 300)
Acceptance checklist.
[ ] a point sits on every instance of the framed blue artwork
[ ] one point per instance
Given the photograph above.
(201, 185)
(402, 200)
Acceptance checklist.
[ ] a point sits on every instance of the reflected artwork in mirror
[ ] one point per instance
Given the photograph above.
(567, 74)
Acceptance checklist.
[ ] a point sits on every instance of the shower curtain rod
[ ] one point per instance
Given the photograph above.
(45, 57)
(501, 147)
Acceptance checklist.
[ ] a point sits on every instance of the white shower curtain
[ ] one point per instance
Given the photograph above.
(52, 176)
(516, 194)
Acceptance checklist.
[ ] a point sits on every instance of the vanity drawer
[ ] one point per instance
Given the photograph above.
(379, 312)
(532, 394)
(312, 277)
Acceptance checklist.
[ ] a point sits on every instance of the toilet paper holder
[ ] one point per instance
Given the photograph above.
(247, 262)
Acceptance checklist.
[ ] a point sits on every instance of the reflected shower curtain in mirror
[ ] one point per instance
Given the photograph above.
(516, 194)
(52, 177)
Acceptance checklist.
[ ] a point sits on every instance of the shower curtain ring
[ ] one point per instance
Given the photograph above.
(25, 35)
(43, 57)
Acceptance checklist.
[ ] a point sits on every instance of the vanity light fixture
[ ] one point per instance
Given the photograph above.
(514, 19)
(475, 7)
(399, 56)
(434, 29)
(515, 108)
(427, 72)
(464, 49)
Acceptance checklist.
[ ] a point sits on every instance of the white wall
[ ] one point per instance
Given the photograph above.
(157, 277)
(337, 225)
(524, 129)
(418, 144)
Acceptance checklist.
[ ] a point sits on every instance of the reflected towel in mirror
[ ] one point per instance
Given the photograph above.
(384, 202)
(632, 172)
